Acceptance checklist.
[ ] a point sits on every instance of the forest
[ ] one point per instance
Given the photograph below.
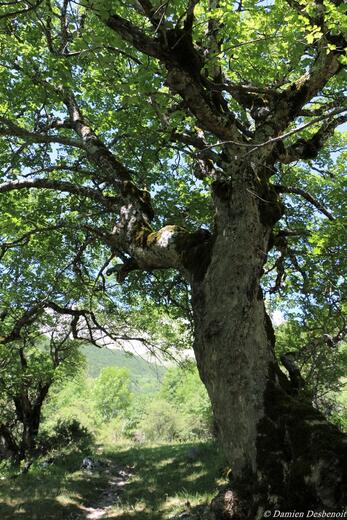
(172, 259)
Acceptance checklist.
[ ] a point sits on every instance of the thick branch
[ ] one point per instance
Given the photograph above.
(304, 149)
(135, 36)
(170, 247)
(112, 170)
(213, 47)
(13, 14)
(176, 51)
(289, 362)
(111, 203)
(154, 15)
(91, 325)
(8, 128)
(255, 146)
(210, 118)
(324, 106)
(197, 142)
(97, 232)
(326, 65)
(27, 318)
(110, 48)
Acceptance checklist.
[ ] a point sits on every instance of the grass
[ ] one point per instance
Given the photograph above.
(163, 481)
(55, 492)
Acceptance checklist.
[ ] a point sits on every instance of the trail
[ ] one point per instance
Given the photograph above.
(109, 496)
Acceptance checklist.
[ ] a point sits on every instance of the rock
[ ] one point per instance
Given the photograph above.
(124, 473)
(4, 452)
(26, 466)
(199, 513)
(88, 464)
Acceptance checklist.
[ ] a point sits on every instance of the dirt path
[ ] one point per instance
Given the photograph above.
(117, 480)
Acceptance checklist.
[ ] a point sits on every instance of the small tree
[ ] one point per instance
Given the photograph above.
(28, 368)
(71, 401)
(112, 392)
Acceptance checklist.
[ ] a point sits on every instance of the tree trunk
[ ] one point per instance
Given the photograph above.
(283, 454)
(10, 447)
(31, 425)
(29, 415)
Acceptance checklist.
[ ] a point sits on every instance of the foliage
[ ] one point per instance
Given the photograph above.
(161, 422)
(65, 436)
(184, 390)
(321, 362)
(112, 392)
(71, 401)
(122, 97)
(137, 413)
(180, 410)
(305, 278)
(55, 236)
(141, 145)
(313, 265)
(340, 417)
(177, 409)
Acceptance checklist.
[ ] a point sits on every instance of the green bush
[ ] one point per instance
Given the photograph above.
(161, 422)
(67, 434)
(112, 432)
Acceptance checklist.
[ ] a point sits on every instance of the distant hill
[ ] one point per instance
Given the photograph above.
(145, 376)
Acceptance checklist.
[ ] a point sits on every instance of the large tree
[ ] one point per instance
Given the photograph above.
(141, 136)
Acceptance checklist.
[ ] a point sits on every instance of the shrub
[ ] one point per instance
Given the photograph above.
(66, 434)
(161, 422)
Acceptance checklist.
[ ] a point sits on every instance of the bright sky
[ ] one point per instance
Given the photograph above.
(277, 318)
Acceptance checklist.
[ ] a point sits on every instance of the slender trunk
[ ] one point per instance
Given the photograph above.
(268, 436)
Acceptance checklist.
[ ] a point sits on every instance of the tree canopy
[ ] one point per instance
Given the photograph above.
(89, 122)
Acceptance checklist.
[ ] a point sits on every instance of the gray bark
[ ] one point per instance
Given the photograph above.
(282, 452)
(231, 345)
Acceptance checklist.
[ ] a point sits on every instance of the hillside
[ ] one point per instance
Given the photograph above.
(144, 375)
